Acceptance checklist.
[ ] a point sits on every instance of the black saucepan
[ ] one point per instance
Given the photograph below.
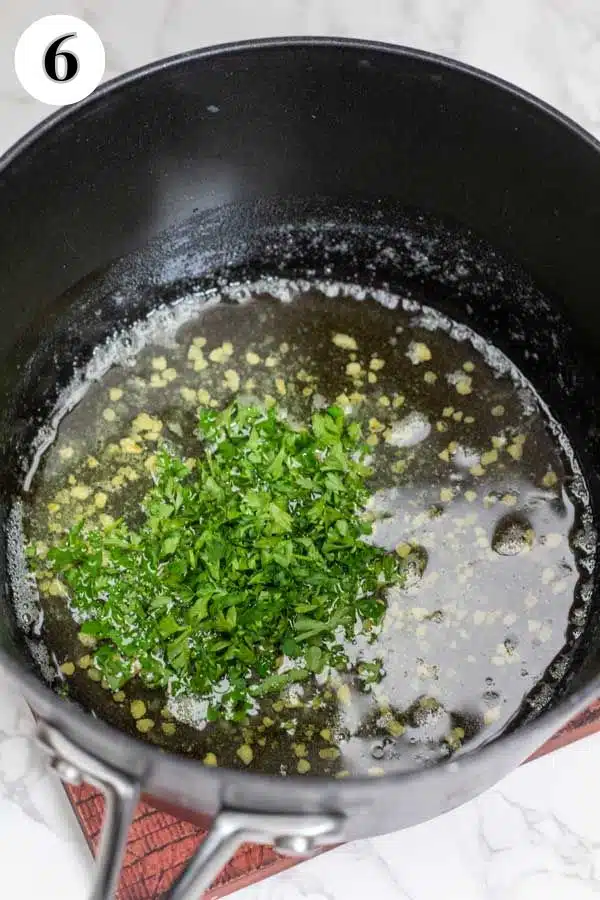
(237, 159)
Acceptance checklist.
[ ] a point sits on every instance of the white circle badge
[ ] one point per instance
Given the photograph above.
(59, 60)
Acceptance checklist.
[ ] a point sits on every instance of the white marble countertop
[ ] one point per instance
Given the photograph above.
(535, 836)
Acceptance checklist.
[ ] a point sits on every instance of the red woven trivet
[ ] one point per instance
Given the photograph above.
(159, 844)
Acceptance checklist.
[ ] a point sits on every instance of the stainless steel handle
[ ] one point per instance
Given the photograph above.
(294, 834)
(119, 812)
(121, 795)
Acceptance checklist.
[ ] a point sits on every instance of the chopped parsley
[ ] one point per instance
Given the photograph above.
(249, 568)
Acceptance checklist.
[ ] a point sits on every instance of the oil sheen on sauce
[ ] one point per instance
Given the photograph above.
(469, 468)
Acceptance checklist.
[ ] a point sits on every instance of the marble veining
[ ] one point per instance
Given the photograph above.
(537, 835)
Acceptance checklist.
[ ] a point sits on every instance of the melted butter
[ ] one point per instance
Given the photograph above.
(472, 480)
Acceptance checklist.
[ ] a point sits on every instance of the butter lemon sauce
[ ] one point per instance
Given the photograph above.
(473, 481)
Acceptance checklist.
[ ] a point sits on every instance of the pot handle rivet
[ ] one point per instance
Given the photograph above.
(294, 845)
(66, 771)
